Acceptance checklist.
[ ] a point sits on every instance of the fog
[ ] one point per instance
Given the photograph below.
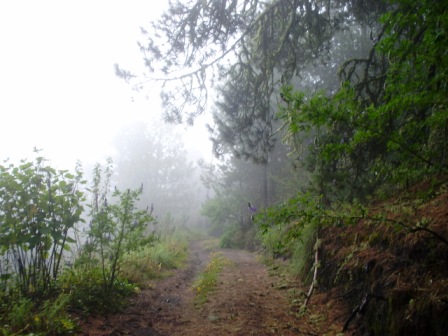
(59, 92)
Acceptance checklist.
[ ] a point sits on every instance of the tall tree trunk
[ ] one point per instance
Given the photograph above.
(265, 186)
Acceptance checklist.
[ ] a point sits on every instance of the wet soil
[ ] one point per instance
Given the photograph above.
(405, 273)
(248, 300)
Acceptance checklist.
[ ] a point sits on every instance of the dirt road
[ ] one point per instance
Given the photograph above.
(247, 301)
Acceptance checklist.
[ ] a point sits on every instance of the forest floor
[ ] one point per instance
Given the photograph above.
(250, 299)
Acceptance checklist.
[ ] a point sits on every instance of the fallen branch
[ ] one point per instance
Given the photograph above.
(431, 232)
(361, 308)
(316, 266)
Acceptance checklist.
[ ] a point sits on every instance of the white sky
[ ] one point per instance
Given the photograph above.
(58, 90)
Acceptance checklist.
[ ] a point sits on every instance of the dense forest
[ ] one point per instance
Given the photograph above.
(325, 114)
(329, 129)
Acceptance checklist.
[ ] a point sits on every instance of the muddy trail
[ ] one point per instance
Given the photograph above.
(248, 300)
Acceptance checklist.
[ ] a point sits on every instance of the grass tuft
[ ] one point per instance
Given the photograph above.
(207, 280)
(153, 262)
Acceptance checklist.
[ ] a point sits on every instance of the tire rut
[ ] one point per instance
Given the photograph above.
(246, 301)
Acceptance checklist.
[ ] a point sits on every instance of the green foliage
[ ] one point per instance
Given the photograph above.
(53, 318)
(302, 253)
(116, 226)
(250, 50)
(227, 239)
(388, 126)
(84, 283)
(288, 229)
(169, 253)
(152, 261)
(39, 207)
(235, 183)
(273, 240)
(48, 317)
(230, 221)
(86, 292)
(207, 280)
(295, 242)
(302, 208)
(222, 210)
(20, 314)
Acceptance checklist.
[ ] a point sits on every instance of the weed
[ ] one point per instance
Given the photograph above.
(87, 293)
(151, 262)
(46, 318)
(302, 253)
(20, 314)
(207, 281)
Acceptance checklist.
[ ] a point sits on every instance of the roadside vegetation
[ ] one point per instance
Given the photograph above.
(54, 266)
(332, 129)
(156, 260)
(361, 215)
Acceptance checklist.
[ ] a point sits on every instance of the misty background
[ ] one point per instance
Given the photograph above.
(60, 94)
(59, 91)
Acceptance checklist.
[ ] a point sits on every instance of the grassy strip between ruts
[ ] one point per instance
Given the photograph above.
(207, 280)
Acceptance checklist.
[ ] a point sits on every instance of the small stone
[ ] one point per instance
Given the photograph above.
(213, 318)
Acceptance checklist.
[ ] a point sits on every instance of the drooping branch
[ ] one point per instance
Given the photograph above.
(249, 44)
